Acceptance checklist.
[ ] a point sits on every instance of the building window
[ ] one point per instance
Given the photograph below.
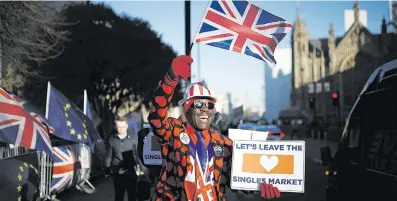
(362, 39)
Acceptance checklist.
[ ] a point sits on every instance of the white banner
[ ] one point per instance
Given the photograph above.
(281, 163)
(151, 150)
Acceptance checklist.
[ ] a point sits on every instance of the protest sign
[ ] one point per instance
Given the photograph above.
(151, 150)
(239, 134)
(281, 163)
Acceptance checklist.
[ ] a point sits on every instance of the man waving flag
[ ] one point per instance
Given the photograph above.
(242, 27)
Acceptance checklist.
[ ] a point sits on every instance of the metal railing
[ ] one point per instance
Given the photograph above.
(10, 150)
(46, 165)
(85, 171)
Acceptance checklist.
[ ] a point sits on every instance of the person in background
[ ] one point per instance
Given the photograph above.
(293, 128)
(215, 122)
(154, 170)
(122, 161)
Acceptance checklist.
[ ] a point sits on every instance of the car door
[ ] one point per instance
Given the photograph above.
(379, 150)
(347, 164)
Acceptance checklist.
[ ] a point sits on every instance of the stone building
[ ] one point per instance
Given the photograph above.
(335, 64)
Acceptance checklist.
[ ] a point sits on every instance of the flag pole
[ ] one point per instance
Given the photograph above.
(85, 102)
(48, 99)
(390, 10)
(198, 62)
(190, 49)
(201, 24)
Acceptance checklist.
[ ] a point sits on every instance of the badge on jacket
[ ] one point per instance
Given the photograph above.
(217, 150)
(185, 138)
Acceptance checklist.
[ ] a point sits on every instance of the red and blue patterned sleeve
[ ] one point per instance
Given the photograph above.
(158, 117)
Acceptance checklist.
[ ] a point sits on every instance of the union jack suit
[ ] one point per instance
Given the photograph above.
(175, 152)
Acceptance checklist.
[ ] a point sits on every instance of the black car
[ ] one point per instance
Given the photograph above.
(274, 132)
(365, 165)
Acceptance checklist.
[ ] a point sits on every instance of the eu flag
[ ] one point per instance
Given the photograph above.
(88, 112)
(19, 179)
(67, 119)
(87, 106)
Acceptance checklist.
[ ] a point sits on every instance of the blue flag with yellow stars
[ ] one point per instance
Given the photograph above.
(68, 120)
(19, 180)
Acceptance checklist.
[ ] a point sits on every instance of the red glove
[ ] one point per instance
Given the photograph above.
(181, 66)
(269, 191)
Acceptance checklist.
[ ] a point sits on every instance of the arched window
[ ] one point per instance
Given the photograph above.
(362, 39)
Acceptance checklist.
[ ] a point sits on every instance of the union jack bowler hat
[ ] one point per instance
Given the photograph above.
(196, 90)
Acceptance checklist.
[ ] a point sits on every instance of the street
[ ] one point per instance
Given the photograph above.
(314, 184)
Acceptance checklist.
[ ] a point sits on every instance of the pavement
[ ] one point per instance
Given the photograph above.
(315, 181)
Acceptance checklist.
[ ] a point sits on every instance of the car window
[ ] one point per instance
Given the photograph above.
(351, 138)
(380, 132)
(351, 133)
(354, 133)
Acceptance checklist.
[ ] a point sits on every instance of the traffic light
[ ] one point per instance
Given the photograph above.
(312, 102)
(335, 99)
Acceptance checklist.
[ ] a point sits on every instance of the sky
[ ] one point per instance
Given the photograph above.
(227, 71)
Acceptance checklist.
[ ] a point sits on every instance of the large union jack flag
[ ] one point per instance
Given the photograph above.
(36, 113)
(19, 128)
(62, 176)
(242, 27)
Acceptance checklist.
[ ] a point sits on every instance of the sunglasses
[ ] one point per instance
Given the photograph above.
(201, 104)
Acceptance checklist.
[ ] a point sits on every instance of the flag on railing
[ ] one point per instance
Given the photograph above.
(242, 27)
(65, 159)
(88, 112)
(67, 119)
(19, 179)
(19, 128)
(36, 113)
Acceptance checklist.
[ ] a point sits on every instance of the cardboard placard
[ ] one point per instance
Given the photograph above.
(152, 150)
(281, 163)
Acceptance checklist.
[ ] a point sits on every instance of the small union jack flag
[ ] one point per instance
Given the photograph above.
(62, 176)
(36, 113)
(19, 128)
(242, 27)
(200, 176)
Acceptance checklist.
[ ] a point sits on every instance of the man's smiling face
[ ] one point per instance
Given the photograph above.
(200, 114)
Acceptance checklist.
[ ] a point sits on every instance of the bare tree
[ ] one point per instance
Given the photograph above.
(31, 32)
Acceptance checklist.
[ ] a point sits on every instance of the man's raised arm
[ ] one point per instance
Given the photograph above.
(158, 117)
